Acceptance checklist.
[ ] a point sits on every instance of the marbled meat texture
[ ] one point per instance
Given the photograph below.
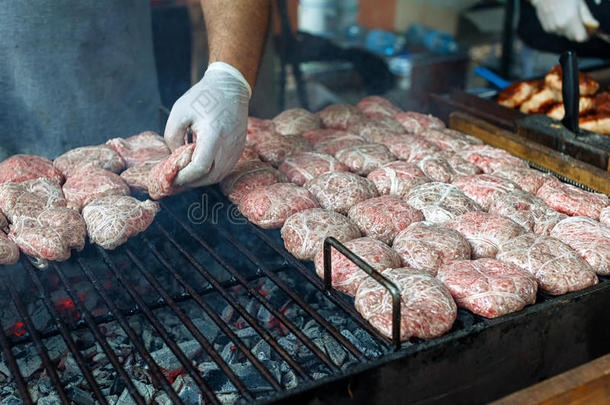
(397, 178)
(304, 166)
(437, 169)
(30, 197)
(111, 220)
(490, 159)
(347, 276)
(375, 130)
(100, 156)
(590, 239)
(18, 168)
(140, 148)
(331, 143)
(9, 252)
(460, 166)
(408, 147)
(161, 177)
(529, 180)
(376, 106)
(295, 121)
(137, 176)
(383, 217)
(426, 246)
(270, 206)
(485, 231)
(440, 202)
(449, 139)
(489, 287)
(604, 216)
(87, 184)
(415, 123)
(3, 222)
(257, 128)
(249, 153)
(339, 191)
(246, 176)
(363, 159)
(340, 116)
(558, 269)
(484, 188)
(304, 232)
(427, 309)
(274, 148)
(572, 200)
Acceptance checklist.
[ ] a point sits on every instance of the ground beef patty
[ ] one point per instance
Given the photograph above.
(557, 268)
(336, 141)
(376, 106)
(162, 175)
(137, 176)
(347, 276)
(529, 180)
(397, 178)
(274, 148)
(440, 202)
(304, 166)
(408, 147)
(485, 231)
(340, 116)
(339, 191)
(18, 168)
(100, 156)
(572, 200)
(460, 166)
(484, 188)
(590, 239)
(87, 184)
(490, 159)
(383, 217)
(270, 206)
(246, 176)
(375, 130)
(295, 121)
(488, 287)
(304, 232)
(604, 216)
(437, 169)
(258, 128)
(416, 123)
(448, 139)
(425, 246)
(140, 148)
(363, 159)
(427, 309)
(9, 252)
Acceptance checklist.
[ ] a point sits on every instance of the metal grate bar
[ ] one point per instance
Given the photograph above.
(156, 374)
(40, 348)
(65, 333)
(169, 341)
(238, 307)
(216, 319)
(99, 337)
(14, 368)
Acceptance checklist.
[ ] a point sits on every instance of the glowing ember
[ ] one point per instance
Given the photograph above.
(19, 329)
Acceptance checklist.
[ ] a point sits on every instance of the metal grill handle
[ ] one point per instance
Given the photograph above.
(387, 284)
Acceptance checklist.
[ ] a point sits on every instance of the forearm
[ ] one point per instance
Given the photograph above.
(236, 33)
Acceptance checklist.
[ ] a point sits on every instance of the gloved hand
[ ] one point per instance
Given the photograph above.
(216, 110)
(569, 18)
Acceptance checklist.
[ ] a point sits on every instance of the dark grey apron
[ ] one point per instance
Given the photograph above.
(74, 73)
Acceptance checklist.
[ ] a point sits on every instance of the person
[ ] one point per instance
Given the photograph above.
(76, 73)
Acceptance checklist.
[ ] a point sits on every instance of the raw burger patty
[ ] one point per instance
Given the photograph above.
(100, 156)
(416, 123)
(339, 191)
(448, 139)
(340, 116)
(397, 178)
(331, 143)
(112, 220)
(375, 130)
(270, 206)
(427, 309)
(302, 167)
(490, 159)
(3, 222)
(304, 232)
(572, 200)
(484, 188)
(346, 276)
(440, 202)
(29, 197)
(383, 217)
(140, 148)
(437, 169)
(529, 180)
(9, 252)
(488, 287)
(274, 148)
(363, 159)
(87, 184)
(247, 176)
(137, 176)
(460, 166)
(18, 168)
(485, 232)
(425, 246)
(408, 147)
(258, 128)
(162, 175)
(295, 121)
(604, 216)
(375, 106)
(249, 153)
(557, 268)
(590, 239)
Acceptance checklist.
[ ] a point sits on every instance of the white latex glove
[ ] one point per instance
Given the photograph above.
(569, 18)
(216, 110)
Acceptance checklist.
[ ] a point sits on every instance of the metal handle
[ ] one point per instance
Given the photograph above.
(570, 90)
(387, 284)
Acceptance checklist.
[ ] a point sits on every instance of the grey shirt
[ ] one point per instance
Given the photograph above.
(74, 73)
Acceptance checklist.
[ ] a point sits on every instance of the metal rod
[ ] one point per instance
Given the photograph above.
(331, 242)
(99, 337)
(156, 374)
(169, 341)
(14, 368)
(40, 348)
(65, 333)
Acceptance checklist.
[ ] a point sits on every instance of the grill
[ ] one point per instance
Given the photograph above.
(206, 301)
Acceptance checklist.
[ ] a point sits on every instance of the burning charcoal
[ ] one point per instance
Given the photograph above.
(81, 397)
(50, 400)
(262, 350)
(275, 368)
(289, 380)
(264, 315)
(145, 390)
(317, 375)
(227, 313)
(251, 377)
(33, 392)
(246, 332)
(11, 400)
(29, 363)
(166, 359)
(369, 350)
(228, 398)
(207, 328)
(230, 353)
(112, 399)
(289, 343)
(334, 350)
(44, 385)
(161, 398)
